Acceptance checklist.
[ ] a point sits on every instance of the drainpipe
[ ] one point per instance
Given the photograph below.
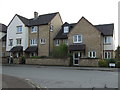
(38, 41)
(49, 39)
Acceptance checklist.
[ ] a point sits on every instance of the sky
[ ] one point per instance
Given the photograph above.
(96, 11)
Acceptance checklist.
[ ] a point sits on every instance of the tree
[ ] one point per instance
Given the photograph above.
(60, 51)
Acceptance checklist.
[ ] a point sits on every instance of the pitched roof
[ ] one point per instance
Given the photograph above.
(4, 38)
(32, 49)
(17, 49)
(3, 28)
(77, 47)
(40, 20)
(106, 29)
(61, 34)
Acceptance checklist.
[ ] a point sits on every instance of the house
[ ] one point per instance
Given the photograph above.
(3, 32)
(85, 40)
(32, 37)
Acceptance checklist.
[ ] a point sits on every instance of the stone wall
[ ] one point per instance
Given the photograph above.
(61, 62)
(89, 62)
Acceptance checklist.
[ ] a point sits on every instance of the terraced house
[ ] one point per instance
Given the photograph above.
(39, 35)
(32, 37)
(85, 40)
(3, 32)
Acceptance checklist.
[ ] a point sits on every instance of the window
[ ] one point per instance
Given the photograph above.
(3, 44)
(42, 41)
(51, 27)
(66, 29)
(19, 29)
(18, 41)
(33, 42)
(56, 42)
(107, 40)
(10, 42)
(18, 54)
(107, 55)
(66, 41)
(77, 39)
(92, 54)
(32, 54)
(34, 29)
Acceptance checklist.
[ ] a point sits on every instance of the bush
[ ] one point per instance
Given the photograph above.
(103, 63)
(60, 51)
(118, 64)
(111, 60)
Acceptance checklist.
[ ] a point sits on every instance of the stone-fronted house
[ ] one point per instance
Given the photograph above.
(32, 37)
(3, 32)
(85, 40)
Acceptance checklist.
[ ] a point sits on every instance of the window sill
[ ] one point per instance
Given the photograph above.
(33, 45)
(19, 33)
(34, 32)
(42, 43)
(107, 43)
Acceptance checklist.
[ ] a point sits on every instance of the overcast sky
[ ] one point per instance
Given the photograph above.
(96, 11)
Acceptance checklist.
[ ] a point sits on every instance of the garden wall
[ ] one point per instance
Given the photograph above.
(89, 62)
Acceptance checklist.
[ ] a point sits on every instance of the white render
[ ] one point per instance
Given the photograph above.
(111, 46)
(11, 33)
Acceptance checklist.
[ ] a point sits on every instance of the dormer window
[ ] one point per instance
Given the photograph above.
(66, 29)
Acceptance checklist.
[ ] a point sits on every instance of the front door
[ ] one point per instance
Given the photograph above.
(76, 56)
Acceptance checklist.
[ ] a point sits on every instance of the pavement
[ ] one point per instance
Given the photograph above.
(14, 82)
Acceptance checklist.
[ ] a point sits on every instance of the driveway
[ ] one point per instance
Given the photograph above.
(63, 77)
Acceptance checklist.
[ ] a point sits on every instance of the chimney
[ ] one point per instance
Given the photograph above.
(35, 14)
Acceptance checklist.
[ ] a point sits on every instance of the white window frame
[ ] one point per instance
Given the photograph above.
(33, 42)
(107, 40)
(77, 39)
(51, 27)
(66, 41)
(42, 41)
(19, 29)
(34, 54)
(34, 29)
(92, 54)
(10, 42)
(108, 53)
(57, 42)
(66, 29)
(18, 42)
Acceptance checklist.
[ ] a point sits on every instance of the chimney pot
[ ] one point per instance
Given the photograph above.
(35, 14)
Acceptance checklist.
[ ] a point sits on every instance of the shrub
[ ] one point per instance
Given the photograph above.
(118, 64)
(103, 63)
(112, 60)
(60, 51)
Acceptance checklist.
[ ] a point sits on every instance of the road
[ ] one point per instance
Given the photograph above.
(63, 77)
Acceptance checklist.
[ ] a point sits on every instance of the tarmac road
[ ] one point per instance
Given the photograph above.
(63, 77)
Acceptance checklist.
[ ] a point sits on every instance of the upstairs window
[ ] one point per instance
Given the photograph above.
(56, 42)
(92, 54)
(34, 29)
(51, 27)
(77, 39)
(42, 41)
(10, 42)
(66, 29)
(33, 42)
(18, 41)
(19, 29)
(107, 40)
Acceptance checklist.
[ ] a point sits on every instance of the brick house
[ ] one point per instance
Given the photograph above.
(85, 40)
(3, 32)
(32, 37)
